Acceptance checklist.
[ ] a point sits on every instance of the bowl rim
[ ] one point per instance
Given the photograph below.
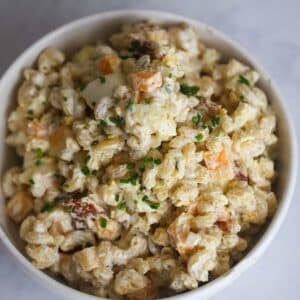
(256, 252)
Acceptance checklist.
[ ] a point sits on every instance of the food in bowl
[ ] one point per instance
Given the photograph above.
(147, 163)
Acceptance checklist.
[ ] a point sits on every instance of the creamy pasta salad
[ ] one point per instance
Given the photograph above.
(147, 163)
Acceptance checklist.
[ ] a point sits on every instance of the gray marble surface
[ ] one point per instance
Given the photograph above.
(270, 31)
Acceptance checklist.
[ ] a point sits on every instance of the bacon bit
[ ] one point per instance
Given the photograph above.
(140, 48)
(79, 209)
(217, 160)
(223, 225)
(106, 64)
(240, 176)
(146, 81)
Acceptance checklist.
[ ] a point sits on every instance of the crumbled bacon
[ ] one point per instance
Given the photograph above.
(80, 208)
(240, 176)
(140, 48)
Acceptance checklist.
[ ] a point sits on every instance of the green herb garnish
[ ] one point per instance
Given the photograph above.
(153, 205)
(47, 207)
(65, 99)
(199, 137)
(94, 143)
(148, 159)
(132, 179)
(103, 222)
(82, 86)
(102, 123)
(197, 119)
(199, 98)
(189, 90)
(86, 160)
(157, 161)
(68, 209)
(243, 80)
(129, 105)
(117, 198)
(117, 120)
(85, 170)
(31, 181)
(102, 79)
(122, 206)
(130, 165)
(30, 111)
(215, 120)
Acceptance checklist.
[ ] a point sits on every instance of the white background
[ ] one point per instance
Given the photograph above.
(270, 29)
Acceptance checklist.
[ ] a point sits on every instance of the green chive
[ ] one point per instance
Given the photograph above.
(31, 181)
(38, 162)
(93, 103)
(199, 98)
(65, 99)
(85, 170)
(117, 198)
(47, 207)
(189, 90)
(94, 172)
(199, 137)
(116, 120)
(148, 159)
(86, 160)
(130, 165)
(68, 209)
(215, 120)
(102, 79)
(196, 119)
(243, 80)
(146, 100)
(39, 153)
(103, 222)
(129, 105)
(157, 161)
(102, 123)
(30, 111)
(94, 143)
(177, 163)
(153, 205)
(122, 206)
(82, 86)
(242, 98)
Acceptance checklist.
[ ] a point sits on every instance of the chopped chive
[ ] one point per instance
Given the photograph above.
(68, 209)
(196, 119)
(102, 123)
(38, 87)
(142, 167)
(242, 98)
(199, 98)
(129, 105)
(47, 207)
(94, 103)
(102, 79)
(170, 75)
(148, 159)
(130, 165)
(244, 80)
(65, 99)
(146, 100)
(116, 120)
(39, 153)
(153, 205)
(122, 206)
(85, 170)
(30, 111)
(86, 160)
(199, 137)
(82, 86)
(215, 120)
(157, 161)
(189, 90)
(94, 143)
(117, 198)
(94, 172)
(103, 222)
(38, 162)
(65, 185)
(31, 181)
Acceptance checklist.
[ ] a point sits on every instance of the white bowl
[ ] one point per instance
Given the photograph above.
(100, 26)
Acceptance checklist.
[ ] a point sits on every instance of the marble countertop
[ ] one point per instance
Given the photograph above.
(269, 29)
